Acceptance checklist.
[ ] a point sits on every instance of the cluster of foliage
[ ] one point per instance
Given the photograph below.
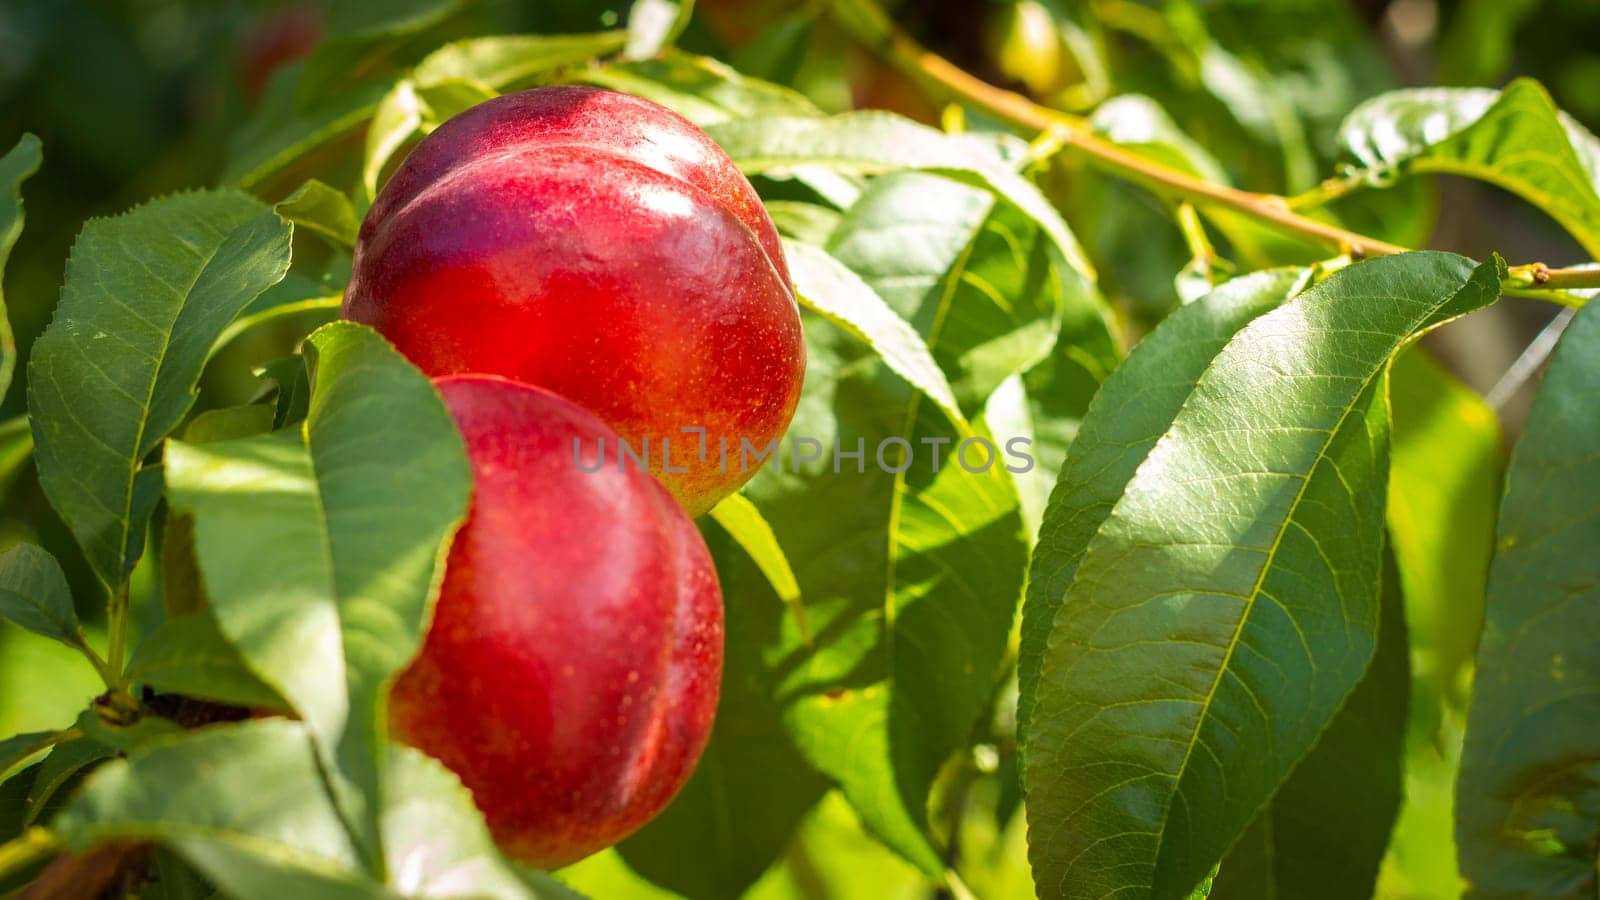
(1219, 641)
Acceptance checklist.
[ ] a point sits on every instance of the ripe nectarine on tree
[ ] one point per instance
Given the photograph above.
(571, 671)
(603, 247)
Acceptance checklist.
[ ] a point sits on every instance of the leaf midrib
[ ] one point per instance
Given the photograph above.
(125, 521)
(1266, 566)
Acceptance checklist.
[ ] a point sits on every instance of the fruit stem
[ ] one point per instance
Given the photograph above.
(111, 677)
(117, 626)
(865, 21)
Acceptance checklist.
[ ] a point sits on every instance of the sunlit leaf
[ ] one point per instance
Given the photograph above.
(320, 545)
(701, 89)
(1134, 408)
(505, 60)
(855, 867)
(912, 233)
(742, 521)
(324, 210)
(1228, 604)
(654, 24)
(911, 580)
(869, 142)
(202, 795)
(435, 842)
(835, 292)
(146, 295)
(1516, 139)
(1141, 125)
(16, 448)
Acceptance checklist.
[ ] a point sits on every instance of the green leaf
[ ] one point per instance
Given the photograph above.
(480, 66)
(654, 24)
(408, 108)
(34, 594)
(15, 167)
(182, 590)
(604, 874)
(742, 521)
(189, 655)
(502, 61)
(1528, 809)
(870, 142)
(1140, 124)
(912, 234)
(829, 288)
(296, 296)
(1422, 848)
(282, 132)
(396, 119)
(13, 809)
(807, 223)
(911, 584)
(66, 762)
(911, 580)
(702, 90)
(201, 794)
(146, 295)
(126, 736)
(1228, 604)
(1324, 833)
(321, 545)
(291, 386)
(1444, 485)
(16, 750)
(1516, 139)
(363, 36)
(834, 857)
(228, 423)
(1126, 418)
(436, 843)
(324, 210)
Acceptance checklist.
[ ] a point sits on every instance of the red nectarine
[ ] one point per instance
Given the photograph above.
(571, 671)
(601, 246)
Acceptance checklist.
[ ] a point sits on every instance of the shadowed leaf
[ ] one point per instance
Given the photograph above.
(1528, 809)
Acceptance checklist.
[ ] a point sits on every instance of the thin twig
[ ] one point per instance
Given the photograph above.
(1532, 358)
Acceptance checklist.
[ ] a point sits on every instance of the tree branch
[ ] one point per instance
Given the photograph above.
(868, 24)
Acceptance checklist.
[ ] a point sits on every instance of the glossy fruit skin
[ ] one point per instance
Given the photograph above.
(571, 671)
(601, 246)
